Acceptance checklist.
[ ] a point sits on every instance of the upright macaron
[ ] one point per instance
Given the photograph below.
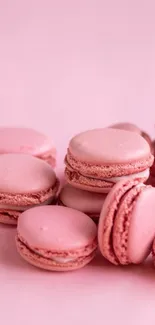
(127, 223)
(27, 141)
(56, 238)
(99, 158)
(25, 181)
(88, 202)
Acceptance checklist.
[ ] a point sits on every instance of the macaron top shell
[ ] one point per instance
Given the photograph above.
(85, 201)
(24, 140)
(109, 146)
(56, 228)
(21, 173)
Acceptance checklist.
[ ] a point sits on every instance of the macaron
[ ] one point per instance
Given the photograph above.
(27, 141)
(127, 223)
(153, 251)
(56, 238)
(25, 181)
(151, 179)
(133, 128)
(99, 158)
(88, 202)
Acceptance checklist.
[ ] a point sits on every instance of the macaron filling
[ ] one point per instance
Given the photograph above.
(141, 175)
(107, 171)
(57, 258)
(74, 177)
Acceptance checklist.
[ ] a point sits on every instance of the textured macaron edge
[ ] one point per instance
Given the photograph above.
(27, 199)
(43, 258)
(122, 223)
(107, 218)
(107, 171)
(9, 217)
(93, 184)
(88, 183)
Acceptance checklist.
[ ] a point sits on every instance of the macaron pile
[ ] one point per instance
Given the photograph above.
(97, 159)
(105, 202)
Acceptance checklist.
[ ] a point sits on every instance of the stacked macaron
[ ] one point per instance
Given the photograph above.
(97, 159)
(26, 175)
(49, 237)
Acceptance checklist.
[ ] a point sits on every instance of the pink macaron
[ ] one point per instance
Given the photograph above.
(27, 141)
(97, 159)
(151, 180)
(25, 181)
(88, 202)
(56, 238)
(133, 128)
(127, 223)
(153, 251)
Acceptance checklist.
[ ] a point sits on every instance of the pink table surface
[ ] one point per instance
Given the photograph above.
(66, 66)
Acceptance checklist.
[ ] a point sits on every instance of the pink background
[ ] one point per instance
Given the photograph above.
(67, 65)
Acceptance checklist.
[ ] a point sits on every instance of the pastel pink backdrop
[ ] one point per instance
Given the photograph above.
(65, 66)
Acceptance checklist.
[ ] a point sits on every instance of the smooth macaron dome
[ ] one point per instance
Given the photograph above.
(84, 201)
(56, 238)
(25, 181)
(127, 225)
(27, 141)
(97, 159)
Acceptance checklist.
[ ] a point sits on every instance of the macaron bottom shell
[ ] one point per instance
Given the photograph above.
(49, 264)
(93, 216)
